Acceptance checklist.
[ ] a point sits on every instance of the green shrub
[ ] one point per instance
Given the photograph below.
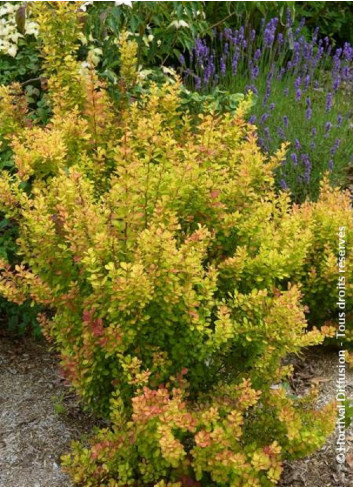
(333, 18)
(18, 319)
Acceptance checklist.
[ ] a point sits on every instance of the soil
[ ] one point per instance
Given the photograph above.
(319, 366)
(40, 416)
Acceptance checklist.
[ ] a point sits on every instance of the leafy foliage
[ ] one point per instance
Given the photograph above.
(285, 70)
(234, 14)
(25, 66)
(333, 18)
(162, 30)
(208, 444)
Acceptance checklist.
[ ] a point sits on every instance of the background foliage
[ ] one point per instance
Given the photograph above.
(301, 90)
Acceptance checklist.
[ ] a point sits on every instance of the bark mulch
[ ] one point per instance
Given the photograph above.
(40, 416)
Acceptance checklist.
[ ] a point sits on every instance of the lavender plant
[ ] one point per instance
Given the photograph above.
(303, 89)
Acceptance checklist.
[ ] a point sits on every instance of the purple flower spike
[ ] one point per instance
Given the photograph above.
(339, 120)
(297, 144)
(201, 51)
(329, 102)
(307, 164)
(281, 73)
(327, 127)
(330, 165)
(335, 147)
(252, 119)
(283, 184)
(285, 121)
(296, 54)
(252, 88)
(336, 83)
(314, 131)
(298, 82)
(235, 65)
(315, 34)
(294, 159)
(308, 113)
(257, 54)
(254, 72)
(264, 118)
(269, 32)
(280, 132)
(268, 92)
(222, 66)
(298, 94)
(272, 106)
(289, 18)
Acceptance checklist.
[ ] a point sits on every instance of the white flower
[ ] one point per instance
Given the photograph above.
(84, 6)
(168, 71)
(15, 37)
(8, 8)
(84, 69)
(148, 39)
(5, 45)
(4, 31)
(94, 56)
(12, 51)
(144, 74)
(9, 34)
(32, 28)
(128, 3)
(178, 24)
(11, 7)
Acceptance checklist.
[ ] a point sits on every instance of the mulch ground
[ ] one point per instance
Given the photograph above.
(40, 416)
(319, 366)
